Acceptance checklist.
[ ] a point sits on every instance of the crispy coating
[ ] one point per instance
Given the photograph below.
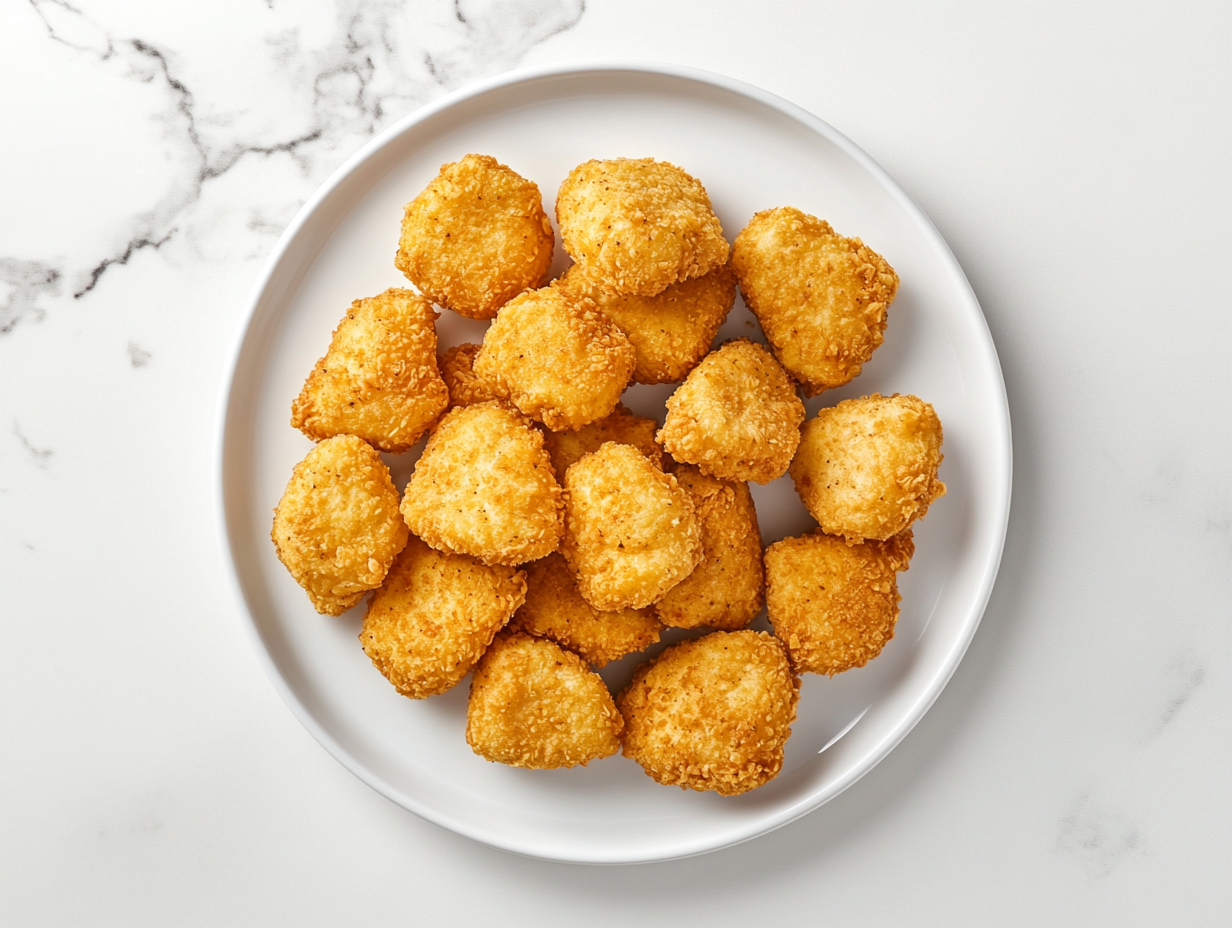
(566, 448)
(712, 714)
(867, 468)
(557, 358)
(485, 487)
(435, 615)
(834, 605)
(336, 528)
(555, 609)
(631, 533)
(736, 416)
(821, 298)
(725, 591)
(534, 704)
(671, 331)
(475, 237)
(641, 224)
(466, 388)
(379, 379)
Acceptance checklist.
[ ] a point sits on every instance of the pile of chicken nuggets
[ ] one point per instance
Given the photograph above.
(546, 530)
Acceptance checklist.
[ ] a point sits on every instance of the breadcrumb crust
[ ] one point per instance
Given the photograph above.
(466, 388)
(567, 448)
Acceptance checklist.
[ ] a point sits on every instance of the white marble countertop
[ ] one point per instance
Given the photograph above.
(1078, 768)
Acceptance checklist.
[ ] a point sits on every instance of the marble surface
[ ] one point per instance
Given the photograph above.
(1076, 770)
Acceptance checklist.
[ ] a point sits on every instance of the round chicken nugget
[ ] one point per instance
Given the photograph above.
(725, 591)
(475, 237)
(834, 605)
(566, 448)
(736, 416)
(555, 609)
(631, 533)
(557, 358)
(821, 298)
(336, 528)
(671, 331)
(641, 224)
(436, 614)
(712, 714)
(534, 704)
(485, 487)
(867, 468)
(379, 379)
(466, 388)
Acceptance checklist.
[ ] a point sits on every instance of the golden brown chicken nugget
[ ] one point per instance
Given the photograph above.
(867, 468)
(435, 615)
(832, 604)
(631, 533)
(736, 416)
(712, 714)
(485, 487)
(821, 298)
(337, 528)
(555, 609)
(725, 591)
(641, 224)
(534, 704)
(566, 448)
(557, 358)
(476, 237)
(670, 332)
(379, 379)
(466, 388)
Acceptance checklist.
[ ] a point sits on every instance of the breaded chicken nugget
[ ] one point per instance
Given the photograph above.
(832, 604)
(671, 331)
(379, 379)
(475, 237)
(555, 609)
(566, 448)
(641, 224)
(557, 358)
(736, 416)
(485, 487)
(534, 704)
(725, 591)
(466, 388)
(867, 468)
(712, 714)
(436, 614)
(631, 533)
(336, 528)
(821, 298)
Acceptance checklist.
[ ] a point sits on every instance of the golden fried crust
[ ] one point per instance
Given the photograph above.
(736, 416)
(867, 468)
(821, 298)
(725, 591)
(555, 609)
(485, 487)
(832, 604)
(712, 714)
(436, 614)
(566, 448)
(534, 704)
(557, 358)
(336, 528)
(631, 533)
(379, 379)
(641, 224)
(672, 331)
(475, 237)
(466, 388)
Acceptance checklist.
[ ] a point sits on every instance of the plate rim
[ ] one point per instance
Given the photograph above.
(222, 435)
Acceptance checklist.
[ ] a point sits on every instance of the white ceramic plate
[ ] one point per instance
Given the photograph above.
(752, 151)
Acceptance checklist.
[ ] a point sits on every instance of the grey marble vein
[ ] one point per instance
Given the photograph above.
(1100, 837)
(27, 282)
(137, 356)
(40, 456)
